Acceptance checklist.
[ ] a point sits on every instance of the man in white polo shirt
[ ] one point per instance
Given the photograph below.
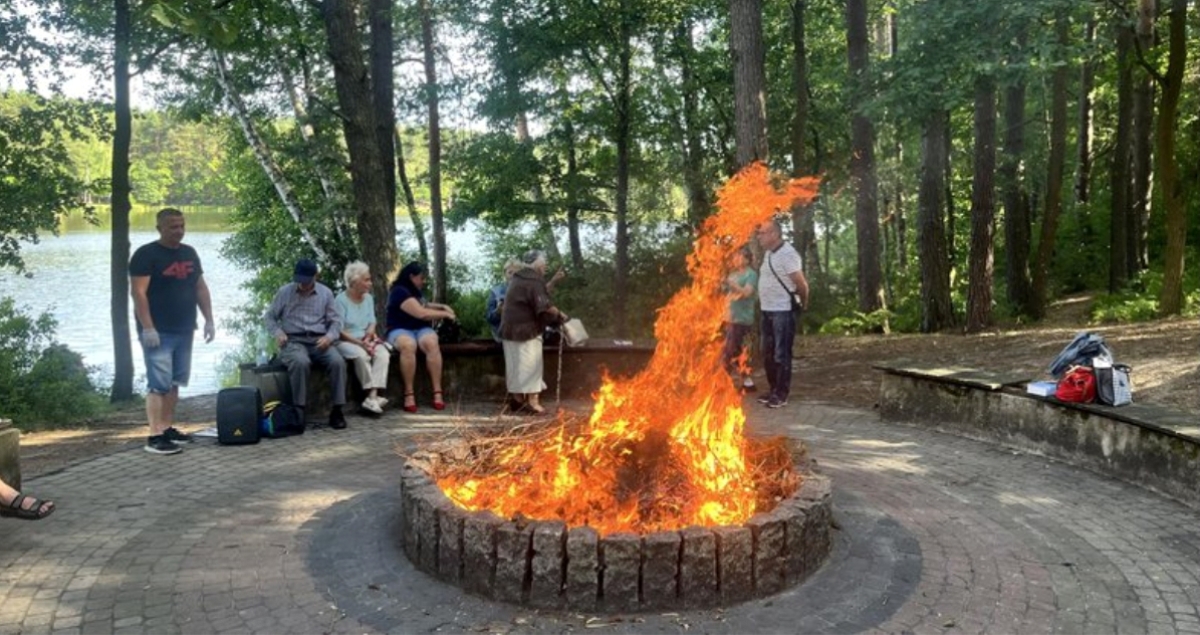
(782, 293)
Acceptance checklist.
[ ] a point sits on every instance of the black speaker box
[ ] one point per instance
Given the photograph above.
(239, 411)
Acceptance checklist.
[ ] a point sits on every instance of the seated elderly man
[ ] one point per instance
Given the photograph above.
(305, 323)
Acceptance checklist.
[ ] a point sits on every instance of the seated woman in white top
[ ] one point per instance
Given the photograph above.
(360, 344)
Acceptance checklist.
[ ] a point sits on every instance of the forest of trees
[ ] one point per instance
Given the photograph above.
(979, 159)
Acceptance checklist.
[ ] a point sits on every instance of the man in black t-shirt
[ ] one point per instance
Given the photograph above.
(167, 284)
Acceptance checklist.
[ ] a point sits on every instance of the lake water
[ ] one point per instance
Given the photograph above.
(69, 278)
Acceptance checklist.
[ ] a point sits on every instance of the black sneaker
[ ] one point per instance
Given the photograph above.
(175, 436)
(337, 420)
(776, 403)
(764, 398)
(160, 444)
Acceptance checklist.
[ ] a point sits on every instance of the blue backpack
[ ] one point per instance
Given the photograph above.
(281, 420)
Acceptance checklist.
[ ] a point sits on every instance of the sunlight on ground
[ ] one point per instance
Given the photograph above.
(905, 464)
(878, 444)
(1009, 498)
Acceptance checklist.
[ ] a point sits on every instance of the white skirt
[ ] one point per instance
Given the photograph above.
(523, 366)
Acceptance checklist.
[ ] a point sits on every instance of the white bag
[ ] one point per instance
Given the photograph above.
(573, 332)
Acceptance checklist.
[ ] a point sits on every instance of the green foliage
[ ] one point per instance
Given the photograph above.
(1138, 301)
(470, 308)
(37, 183)
(41, 382)
(858, 323)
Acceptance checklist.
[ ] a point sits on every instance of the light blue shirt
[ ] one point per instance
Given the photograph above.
(356, 317)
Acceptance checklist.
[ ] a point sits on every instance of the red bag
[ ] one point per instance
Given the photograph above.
(1077, 386)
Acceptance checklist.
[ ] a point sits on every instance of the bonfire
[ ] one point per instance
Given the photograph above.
(667, 448)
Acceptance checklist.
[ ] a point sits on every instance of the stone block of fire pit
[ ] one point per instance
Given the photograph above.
(583, 568)
(620, 564)
(660, 570)
(479, 552)
(427, 531)
(795, 565)
(512, 562)
(546, 565)
(769, 542)
(735, 555)
(450, 533)
(698, 567)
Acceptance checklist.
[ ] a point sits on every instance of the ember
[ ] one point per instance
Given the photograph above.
(664, 449)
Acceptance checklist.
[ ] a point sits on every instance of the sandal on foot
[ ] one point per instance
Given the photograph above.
(37, 510)
(513, 405)
(407, 406)
(438, 404)
(534, 410)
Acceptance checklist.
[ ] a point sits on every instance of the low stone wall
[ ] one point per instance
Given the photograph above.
(10, 453)
(472, 370)
(545, 564)
(1141, 443)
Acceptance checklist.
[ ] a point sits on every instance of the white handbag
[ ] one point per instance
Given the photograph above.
(573, 332)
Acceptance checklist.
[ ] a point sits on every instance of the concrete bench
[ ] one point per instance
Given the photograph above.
(472, 369)
(10, 453)
(1142, 443)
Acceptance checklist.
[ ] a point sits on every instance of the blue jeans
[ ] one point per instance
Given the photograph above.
(778, 336)
(735, 335)
(170, 363)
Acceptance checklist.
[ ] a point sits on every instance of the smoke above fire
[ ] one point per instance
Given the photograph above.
(666, 448)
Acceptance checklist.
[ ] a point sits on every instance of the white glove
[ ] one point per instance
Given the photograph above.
(150, 338)
(210, 331)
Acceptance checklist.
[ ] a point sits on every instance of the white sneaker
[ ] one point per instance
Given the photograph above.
(381, 401)
(372, 405)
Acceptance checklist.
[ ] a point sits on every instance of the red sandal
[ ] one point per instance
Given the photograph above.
(407, 406)
(438, 404)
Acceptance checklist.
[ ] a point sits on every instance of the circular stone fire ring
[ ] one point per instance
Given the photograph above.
(545, 564)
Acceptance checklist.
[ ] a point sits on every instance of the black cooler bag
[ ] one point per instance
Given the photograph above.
(239, 412)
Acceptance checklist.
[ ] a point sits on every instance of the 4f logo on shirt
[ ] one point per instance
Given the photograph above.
(180, 269)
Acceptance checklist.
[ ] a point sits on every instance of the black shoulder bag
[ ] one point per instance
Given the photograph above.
(797, 306)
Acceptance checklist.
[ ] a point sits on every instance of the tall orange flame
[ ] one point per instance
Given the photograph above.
(664, 449)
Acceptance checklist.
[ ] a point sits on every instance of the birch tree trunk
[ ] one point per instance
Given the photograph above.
(410, 202)
(262, 154)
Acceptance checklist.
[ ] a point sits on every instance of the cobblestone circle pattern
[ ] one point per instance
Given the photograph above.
(932, 534)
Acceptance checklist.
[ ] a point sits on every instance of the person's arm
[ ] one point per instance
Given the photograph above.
(333, 322)
(273, 315)
(138, 286)
(801, 286)
(204, 299)
(445, 308)
(740, 292)
(428, 312)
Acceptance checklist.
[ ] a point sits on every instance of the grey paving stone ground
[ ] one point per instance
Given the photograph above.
(935, 534)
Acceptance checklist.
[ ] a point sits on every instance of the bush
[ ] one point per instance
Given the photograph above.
(41, 382)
